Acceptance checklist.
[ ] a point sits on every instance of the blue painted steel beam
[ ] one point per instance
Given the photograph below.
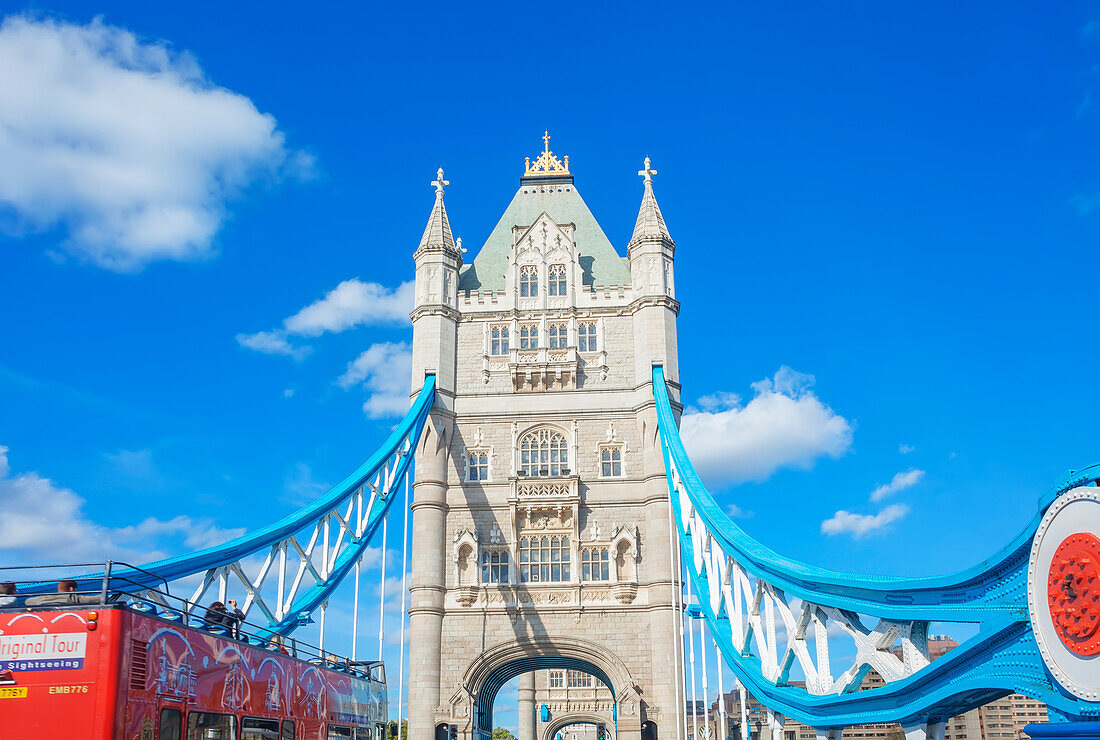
(1002, 658)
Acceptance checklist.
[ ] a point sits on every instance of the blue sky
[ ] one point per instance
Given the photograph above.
(899, 200)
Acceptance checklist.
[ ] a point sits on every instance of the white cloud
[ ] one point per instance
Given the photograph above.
(196, 534)
(271, 343)
(719, 401)
(122, 142)
(351, 303)
(736, 512)
(384, 370)
(859, 525)
(906, 449)
(784, 425)
(900, 481)
(41, 522)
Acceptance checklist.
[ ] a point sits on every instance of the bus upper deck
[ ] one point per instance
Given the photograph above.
(108, 660)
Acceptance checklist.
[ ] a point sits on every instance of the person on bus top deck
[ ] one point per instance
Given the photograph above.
(237, 616)
(278, 642)
(8, 594)
(66, 594)
(217, 616)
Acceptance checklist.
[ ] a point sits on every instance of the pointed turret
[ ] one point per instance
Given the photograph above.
(437, 234)
(435, 304)
(650, 223)
(651, 254)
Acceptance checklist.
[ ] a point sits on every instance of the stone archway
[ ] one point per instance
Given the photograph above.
(487, 673)
(558, 724)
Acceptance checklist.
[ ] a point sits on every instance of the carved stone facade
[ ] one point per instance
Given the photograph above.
(541, 532)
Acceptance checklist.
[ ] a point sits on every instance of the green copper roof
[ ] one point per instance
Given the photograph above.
(601, 264)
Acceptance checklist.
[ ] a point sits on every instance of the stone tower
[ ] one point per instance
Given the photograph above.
(541, 526)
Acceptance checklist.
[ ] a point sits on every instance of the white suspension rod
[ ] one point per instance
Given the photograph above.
(404, 591)
(703, 654)
(691, 652)
(355, 615)
(382, 588)
(722, 715)
(746, 733)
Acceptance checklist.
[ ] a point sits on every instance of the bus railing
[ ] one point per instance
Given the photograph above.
(112, 589)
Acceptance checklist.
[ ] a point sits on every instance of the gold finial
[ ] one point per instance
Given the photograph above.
(546, 164)
(439, 183)
(647, 173)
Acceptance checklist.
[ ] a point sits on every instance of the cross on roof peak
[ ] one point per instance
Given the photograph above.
(546, 165)
(648, 172)
(439, 183)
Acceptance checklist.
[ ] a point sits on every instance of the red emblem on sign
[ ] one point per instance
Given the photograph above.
(1073, 593)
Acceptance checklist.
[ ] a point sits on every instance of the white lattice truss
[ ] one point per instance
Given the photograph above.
(305, 557)
(752, 606)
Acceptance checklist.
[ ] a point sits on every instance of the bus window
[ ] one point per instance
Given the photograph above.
(210, 726)
(170, 724)
(288, 729)
(259, 729)
(338, 732)
(362, 733)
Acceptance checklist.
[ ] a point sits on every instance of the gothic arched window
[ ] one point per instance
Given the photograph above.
(595, 564)
(611, 461)
(478, 466)
(529, 281)
(529, 336)
(557, 279)
(494, 566)
(579, 680)
(544, 452)
(499, 336)
(544, 559)
(586, 336)
(559, 336)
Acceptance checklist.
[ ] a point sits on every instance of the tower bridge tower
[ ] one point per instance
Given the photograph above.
(541, 524)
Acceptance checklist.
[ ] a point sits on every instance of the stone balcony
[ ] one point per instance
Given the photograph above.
(543, 369)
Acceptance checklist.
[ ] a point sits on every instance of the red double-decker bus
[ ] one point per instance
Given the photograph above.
(113, 666)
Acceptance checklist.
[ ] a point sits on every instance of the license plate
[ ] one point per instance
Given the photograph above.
(13, 692)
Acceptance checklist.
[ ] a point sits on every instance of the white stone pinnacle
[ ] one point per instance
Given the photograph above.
(650, 223)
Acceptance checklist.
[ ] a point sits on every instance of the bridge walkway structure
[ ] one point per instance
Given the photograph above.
(1033, 605)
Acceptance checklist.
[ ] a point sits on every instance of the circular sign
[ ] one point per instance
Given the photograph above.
(1073, 593)
(1064, 591)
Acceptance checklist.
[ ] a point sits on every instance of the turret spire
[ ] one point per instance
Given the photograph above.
(437, 234)
(650, 223)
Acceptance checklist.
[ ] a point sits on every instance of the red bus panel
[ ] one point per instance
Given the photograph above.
(114, 673)
(66, 673)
